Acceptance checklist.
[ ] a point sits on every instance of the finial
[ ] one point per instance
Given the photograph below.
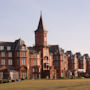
(41, 13)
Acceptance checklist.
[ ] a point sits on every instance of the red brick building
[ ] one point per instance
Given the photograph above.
(60, 61)
(14, 60)
(72, 65)
(17, 61)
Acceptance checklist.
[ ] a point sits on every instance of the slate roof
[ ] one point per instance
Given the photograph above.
(32, 50)
(41, 25)
(14, 45)
(54, 49)
(5, 44)
(69, 53)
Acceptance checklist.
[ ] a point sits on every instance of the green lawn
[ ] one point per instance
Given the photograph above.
(77, 84)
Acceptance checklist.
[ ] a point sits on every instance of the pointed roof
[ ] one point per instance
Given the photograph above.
(41, 24)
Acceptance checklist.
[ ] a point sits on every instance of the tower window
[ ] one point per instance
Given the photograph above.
(23, 62)
(34, 56)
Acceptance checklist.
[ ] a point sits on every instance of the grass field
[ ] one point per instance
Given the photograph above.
(77, 84)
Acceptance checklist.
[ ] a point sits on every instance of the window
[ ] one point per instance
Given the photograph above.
(39, 56)
(34, 63)
(39, 70)
(33, 70)
(17, 54)
(23, 62)
(39, 62)
(23, 75)
(23, 47)
(1, 47)
(39, 76)
(23, 54)
(34, 56)
(17, 61)
(9, 54)
(8, 48)
(1, 75)
(2, 54)
(45, 53)
(10, 62)
(45, 61)
(2, 61)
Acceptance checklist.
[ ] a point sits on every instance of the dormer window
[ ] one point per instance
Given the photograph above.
(8, 48)
(23, 47)
(1, 47)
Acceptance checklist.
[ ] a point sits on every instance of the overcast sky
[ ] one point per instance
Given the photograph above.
(67, 22)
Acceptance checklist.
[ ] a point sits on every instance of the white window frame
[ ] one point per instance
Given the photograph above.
(1, 47)
(10, 62)
(34, 62)
(1, 75)
(39, 70)
(2, 54)
(9, 54)
(33, 70)
(46, 53)
(23, 62)
(34, 56)
(8, 48)
(46, 61)
(2, 61)
(23, 54)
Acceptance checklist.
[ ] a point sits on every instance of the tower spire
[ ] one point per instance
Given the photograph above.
(41, 24)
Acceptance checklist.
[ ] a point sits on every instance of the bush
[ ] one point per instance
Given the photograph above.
(22, 79)
(5, 81)
(1, 81)
(87, 76)
(13, 80)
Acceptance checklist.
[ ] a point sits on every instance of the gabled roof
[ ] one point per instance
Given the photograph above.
(19, 43)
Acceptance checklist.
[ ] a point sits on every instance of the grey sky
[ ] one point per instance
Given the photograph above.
(67, 22)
